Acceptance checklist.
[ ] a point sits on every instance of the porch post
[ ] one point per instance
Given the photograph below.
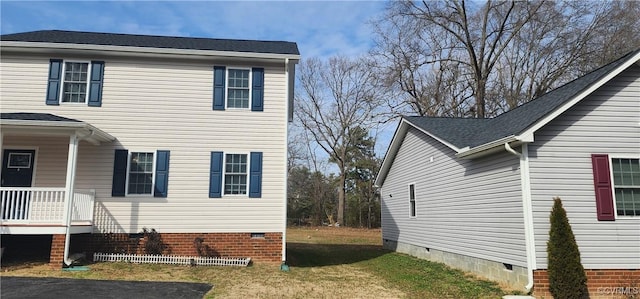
(1, 150)
(72, 158)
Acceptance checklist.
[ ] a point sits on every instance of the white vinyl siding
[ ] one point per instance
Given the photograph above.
(162, 104)
(605, 122)
(474, 207)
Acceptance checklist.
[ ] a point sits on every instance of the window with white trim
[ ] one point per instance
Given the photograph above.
(140, 173)
(412, 200)
(238, 87)
(75, 83)
(626, 185)
(235, 174)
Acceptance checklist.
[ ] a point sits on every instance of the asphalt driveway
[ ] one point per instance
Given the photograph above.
(35, 287)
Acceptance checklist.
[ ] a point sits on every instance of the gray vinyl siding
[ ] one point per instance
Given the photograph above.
(605, 122)
(150, 105)
(468, 207)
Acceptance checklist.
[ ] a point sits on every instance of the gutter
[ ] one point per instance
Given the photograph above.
(527, 211)
(480, 150)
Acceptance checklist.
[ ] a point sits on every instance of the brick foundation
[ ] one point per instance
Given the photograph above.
(605, 284)
(261, 249)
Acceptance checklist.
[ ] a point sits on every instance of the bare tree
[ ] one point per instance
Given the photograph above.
(336, 96)
(453, 58)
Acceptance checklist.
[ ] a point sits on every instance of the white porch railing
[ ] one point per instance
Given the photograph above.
(33, 205)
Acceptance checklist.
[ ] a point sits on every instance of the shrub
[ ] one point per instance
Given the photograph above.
(203, 249)
(567, 278)
(153, 244)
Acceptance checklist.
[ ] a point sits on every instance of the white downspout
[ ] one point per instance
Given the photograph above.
(286, 170)
(72, 159)
(69, 187)
(527, 211)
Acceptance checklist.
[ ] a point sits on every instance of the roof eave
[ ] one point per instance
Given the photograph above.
(396, 142)
(487, 148)
(86, 131)
(527, 135)
(579, 96)
(141, 51)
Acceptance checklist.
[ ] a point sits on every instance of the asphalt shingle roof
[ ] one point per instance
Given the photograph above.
(463, 132)
(149, 41)
(35, 116)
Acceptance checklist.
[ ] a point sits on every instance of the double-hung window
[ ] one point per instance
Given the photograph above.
(140, 175)
(75, 82)
(238, 88)
(626, 185)
(235, 174)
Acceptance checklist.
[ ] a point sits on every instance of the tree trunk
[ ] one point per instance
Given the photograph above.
(341, 195)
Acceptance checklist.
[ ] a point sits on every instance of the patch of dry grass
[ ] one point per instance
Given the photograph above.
(326, 262)
(261, 280)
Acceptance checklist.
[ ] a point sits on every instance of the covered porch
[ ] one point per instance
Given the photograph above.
(38, 193)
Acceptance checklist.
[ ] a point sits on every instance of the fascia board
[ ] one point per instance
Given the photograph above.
(141, 51)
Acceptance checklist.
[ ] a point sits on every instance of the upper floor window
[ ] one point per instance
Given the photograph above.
(235, 88)
(75, 82)
(238, 88)
(626, 185)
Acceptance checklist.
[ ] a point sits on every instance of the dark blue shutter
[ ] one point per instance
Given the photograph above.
(118, 186)
(255, 175)
(162, 174)
(257, 89)
(95, 85)
(218, 87)
(215, 177)
(55, 76)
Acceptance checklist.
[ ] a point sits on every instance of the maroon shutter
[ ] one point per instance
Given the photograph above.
(602, 185)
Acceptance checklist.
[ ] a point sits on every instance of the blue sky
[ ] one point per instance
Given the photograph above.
(321, 28)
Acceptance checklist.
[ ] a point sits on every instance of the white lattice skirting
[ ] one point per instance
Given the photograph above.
(171, 259)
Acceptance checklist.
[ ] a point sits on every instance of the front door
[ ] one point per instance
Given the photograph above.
(17, 167)
(17, 171)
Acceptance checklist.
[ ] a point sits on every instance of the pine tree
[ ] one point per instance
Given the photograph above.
(567, 278)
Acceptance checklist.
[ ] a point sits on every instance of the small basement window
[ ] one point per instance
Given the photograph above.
(508, 267)
(257, 235)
